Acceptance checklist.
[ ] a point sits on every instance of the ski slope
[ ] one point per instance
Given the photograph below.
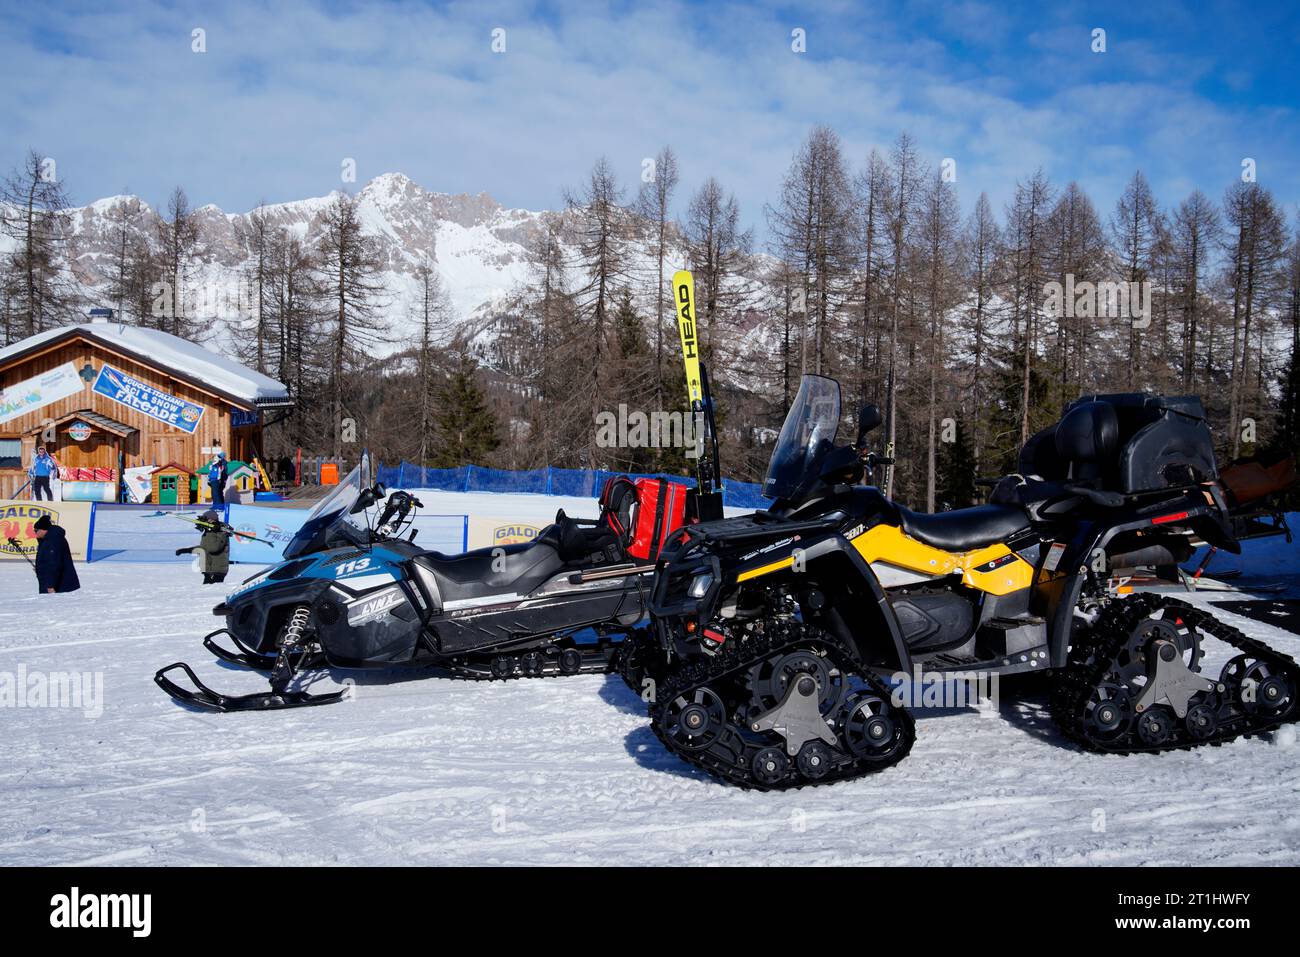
(555, 771)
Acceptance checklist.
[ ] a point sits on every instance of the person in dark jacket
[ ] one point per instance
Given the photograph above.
(55, 571)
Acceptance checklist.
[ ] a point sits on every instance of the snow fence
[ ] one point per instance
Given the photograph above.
(582, 483)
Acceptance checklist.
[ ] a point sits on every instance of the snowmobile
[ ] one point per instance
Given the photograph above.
(354, 593)
(773, 631)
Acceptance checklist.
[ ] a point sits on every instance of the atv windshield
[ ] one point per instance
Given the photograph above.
(806, 438)
(331, 524)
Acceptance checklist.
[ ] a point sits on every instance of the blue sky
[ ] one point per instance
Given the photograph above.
(287, 90)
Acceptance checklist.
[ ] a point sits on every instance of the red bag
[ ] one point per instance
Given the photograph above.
(661, 510)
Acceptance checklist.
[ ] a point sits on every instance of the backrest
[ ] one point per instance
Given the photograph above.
(1087, 438)
(618, 506)
(1164, 442)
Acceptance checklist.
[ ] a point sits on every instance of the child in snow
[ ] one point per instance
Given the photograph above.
(213, 550)
(43, 467)
(54, 569)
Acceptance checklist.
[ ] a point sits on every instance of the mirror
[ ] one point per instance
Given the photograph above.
(869, 417)
(364, 501)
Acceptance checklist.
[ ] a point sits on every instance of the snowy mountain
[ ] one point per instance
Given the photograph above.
(478, 246)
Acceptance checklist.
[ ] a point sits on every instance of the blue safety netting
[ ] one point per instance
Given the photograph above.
(582, 483)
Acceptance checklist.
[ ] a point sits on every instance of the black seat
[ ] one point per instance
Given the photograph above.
(964, 528)
(504, 570)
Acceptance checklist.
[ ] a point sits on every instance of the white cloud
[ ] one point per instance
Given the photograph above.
(287, 91)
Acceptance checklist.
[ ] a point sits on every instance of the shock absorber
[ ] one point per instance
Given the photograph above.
(292, 638)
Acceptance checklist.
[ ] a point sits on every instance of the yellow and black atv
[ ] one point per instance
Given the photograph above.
(774, 630)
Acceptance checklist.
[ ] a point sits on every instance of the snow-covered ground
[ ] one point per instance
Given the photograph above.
(556, 771)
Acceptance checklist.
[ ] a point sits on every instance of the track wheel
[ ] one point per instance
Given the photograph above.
(570, 661)
(814, 761)
(694, 720)
(1109, 711)
(873, 729)
(769, 766)
(1256, 687)
(1202, 721)
(1156, 726)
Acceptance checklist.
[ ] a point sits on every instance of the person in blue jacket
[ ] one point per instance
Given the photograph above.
(42, 469)
(55, 571)
(218, 473)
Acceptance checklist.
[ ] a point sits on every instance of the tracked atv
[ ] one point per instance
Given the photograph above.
(355, 592)
(773, 630)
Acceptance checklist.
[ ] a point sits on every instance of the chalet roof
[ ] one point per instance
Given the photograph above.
(94, 418)
(175, 466)
(179, 357)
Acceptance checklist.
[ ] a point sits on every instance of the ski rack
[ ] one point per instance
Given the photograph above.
(706, 501)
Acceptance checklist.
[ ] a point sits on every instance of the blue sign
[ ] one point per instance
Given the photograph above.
(142, 397)
(239, 417)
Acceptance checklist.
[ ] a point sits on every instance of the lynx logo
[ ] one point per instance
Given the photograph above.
(103, 910)
(376, 606)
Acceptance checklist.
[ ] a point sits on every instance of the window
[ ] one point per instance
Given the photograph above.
(11, 453)
(167, 483)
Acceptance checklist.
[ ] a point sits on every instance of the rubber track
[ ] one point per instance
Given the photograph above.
(1091, 657)
(734, 657)
(479, 667)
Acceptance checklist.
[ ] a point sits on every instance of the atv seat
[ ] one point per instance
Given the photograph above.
(964, 528)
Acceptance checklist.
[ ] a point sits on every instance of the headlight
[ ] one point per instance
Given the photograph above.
(700, 585)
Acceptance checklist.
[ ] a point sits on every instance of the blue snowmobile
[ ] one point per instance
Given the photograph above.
(354, 591)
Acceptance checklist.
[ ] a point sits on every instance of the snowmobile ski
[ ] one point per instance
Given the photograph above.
(204, 697)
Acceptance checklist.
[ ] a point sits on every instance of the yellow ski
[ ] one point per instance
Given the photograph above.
(684, 296)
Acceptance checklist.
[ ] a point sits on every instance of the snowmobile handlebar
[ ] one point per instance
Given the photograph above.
(396, 509)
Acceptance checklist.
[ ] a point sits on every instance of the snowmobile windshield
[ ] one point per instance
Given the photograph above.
(331, 523)
(806, 438)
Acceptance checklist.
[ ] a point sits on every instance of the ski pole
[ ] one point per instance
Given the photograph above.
(17, 547)
(23, 488)
(237, 534)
